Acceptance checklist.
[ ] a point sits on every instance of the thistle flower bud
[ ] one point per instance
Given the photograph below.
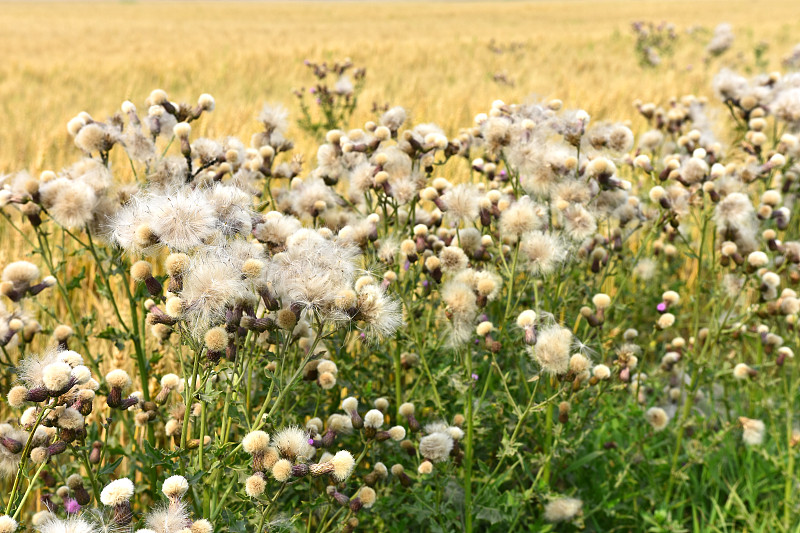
(350, 406)
(407, 410)
(142, 272)
(425, 468)
(216, 340)
(562, 509)
(338, 497)
(665, 321)
(399, 472)
(206, 102)
(286, 319)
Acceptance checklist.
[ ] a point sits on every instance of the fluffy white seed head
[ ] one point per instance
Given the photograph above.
(343, 464)
(436, 447)
(7, 524)
(562, 509)
(55, 376)
(175, 487)
(373, 419)
(601, 372)
(350, 404)
(657, 418)
(552, 349)
(255, 442)
(601, 301)
(282, 470)
(526, 319)
(118, 378)
(255, 485)
(117, 492)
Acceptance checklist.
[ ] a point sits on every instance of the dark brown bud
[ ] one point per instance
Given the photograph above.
(13, 446)
(94, 455)
(409, 447)
(82, 496)
(300, 470)
(340, 498)
(37, 394)
(355, 504)
(56, 448)
(123, 514)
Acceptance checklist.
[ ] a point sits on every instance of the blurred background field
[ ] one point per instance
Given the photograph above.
(438, 60)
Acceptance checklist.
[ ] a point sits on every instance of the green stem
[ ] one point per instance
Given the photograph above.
(469, 447)
(141, 362)
(191, 389)
(24, 460)
(548, 438)
(512, 278)
(398, 390)
(30, 488)
(788, 500)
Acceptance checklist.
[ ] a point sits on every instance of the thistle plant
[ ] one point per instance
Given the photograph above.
(653, 41)
(331, 101)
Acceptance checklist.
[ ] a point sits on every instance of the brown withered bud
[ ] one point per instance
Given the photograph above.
(82, 496)
(12, 445)
(492, 345)
(48, 479)
(328, 438)
(356, 419)
(563, 412)
(57, 448)
(94, 455)
(259, 325)
(355, 504)
(156, 316)
(351, 525)
(310, 370)
(399, 472)
(300, 470)
(270, 302)
(37, 394)
(409, 447)
(337, 496)
(123, 515)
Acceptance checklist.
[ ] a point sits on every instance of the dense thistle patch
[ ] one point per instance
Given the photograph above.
(480, 333)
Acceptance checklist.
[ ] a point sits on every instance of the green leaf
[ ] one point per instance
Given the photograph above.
(109, 468)
(116, 335)
(75, 281)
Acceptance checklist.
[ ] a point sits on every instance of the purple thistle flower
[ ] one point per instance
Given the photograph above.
(71, 505)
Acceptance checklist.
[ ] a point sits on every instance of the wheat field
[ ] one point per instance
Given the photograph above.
(434, 59)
